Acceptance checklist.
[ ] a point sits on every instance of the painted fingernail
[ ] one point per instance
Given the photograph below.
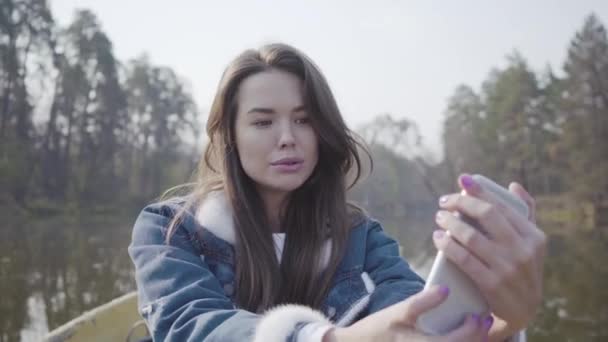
(445, 291)
(467, 181)
(488, 322)
(443, 199)
(440, 216)
(438, 234)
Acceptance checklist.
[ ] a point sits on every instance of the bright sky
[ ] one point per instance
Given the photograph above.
(401, 57)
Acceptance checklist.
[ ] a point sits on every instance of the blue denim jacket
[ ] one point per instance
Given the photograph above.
(186, 288)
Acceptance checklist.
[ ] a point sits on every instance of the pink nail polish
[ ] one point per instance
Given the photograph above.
(438, 234)
(443, 199)
(444, 290)
(488, 322)
(467, 181)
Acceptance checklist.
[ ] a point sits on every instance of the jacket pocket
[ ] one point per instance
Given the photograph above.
(348, 297)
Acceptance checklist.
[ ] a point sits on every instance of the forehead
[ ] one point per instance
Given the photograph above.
(273, 88)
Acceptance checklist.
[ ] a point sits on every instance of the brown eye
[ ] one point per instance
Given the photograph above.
(302, 120)
(262, 123)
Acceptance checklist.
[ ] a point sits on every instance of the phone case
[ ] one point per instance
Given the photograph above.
(465, 298)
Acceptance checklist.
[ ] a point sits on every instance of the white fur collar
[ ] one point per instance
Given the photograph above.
(216, 215)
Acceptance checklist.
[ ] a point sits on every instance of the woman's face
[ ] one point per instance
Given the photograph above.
(276, 143)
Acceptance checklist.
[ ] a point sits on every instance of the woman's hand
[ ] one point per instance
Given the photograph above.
(506, 263)
(396, 323)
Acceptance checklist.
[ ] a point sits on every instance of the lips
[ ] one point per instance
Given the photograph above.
(288, 165)
(288, 161)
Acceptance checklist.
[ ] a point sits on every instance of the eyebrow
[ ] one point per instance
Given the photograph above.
(272, 111)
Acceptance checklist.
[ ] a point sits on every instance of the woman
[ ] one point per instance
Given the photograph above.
(266, 248)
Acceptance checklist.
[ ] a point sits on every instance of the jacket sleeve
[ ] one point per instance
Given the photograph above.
(393, 277)
(181, 300)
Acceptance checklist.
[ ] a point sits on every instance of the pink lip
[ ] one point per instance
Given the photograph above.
(288, 165)
(287, 161)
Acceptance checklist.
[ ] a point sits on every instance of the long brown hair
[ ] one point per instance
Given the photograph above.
(316, 211)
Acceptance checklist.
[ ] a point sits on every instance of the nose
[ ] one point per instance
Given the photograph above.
(286, 136)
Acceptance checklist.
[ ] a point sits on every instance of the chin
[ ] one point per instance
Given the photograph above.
(284, 186)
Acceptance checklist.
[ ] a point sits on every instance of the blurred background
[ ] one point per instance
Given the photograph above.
(103, 106)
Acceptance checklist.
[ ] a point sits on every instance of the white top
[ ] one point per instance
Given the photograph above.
(279, 244)
(312, 332)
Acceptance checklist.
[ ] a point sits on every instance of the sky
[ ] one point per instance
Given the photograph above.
(383, 56)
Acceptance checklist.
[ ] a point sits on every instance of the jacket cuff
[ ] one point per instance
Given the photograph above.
(313, 332)
(279, 323)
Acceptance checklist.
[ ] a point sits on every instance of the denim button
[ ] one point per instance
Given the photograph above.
(228, 289)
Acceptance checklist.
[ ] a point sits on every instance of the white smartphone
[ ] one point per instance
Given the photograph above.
(464, 298)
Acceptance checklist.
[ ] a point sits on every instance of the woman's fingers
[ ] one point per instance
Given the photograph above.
(471, 238)
(506, 265)
(490, 280)
(478, 271)
(486, 213)
(526, 197)
(420, 303)
(501, 220)
(473, 328)
(535, 238)
(490, 253)
(531, 247)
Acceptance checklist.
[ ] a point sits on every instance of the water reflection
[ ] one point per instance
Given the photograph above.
(53, 269)
(58, 267)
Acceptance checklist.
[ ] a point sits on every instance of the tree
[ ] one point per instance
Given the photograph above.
(95, 109)
(502, 133)
(25, 30)
(585, 122)
(402, 190)
(463, 119)
(162, 113)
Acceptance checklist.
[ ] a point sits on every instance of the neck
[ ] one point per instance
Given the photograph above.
(274, 203)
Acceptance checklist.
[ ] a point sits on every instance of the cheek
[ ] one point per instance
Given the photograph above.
(311, 145)
(253, 150)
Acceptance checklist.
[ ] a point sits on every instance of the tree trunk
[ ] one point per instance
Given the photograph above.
(11, 69)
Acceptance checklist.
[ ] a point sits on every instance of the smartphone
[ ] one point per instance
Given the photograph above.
(465, 298)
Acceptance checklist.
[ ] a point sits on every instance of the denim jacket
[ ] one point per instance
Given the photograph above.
(186, 289)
